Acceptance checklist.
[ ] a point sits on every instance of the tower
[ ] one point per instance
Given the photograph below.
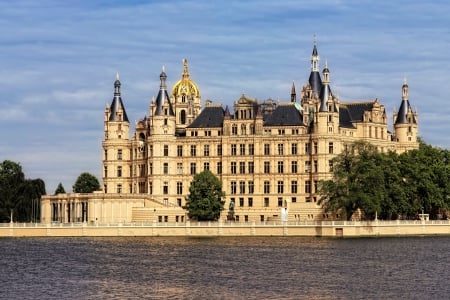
(116, 146)
(314, 78)
(405, 123)
(187, 101)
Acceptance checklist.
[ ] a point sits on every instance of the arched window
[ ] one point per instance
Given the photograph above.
(183, 116)
(243, 129)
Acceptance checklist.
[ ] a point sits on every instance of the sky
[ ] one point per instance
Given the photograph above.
(59, 61)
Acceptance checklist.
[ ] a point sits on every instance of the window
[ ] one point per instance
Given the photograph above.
(193, 150)
(219, 167)
(307, 148)
(280, 167)
(119, 171)
(150, 168)
(206, 166)
(316, 186)
(266, 202)
(242, 167)
(307, 166)
(243, 129)
(281, 131)
(193, 168)
(241, 202)
(280, 201)
(206, 150)
(330, 148)
(119, 188)
(280, 187)
(267, 167)
(106, 171)
(179, 168)
(294, 167)
(179, 150)
(251, 149)
(119, 154)
(266, 187)
(294, 149)
(150, 187)
(250, 202)
(166, 150)
(294, 186)
(233, 167)
(219, 150)
(166, 188)
(307, 186)
(234, 129)
(106, 154)
(330, 165)
(251, 167)
(266, 149)
(316, 148)
(316, 166)
(261, 218)
(166, 168)
(242, 149)
(294, 199)
(242, 187)
(251, 187)
(233, 149)
(233, 187)
(179, 188)
(280, 149)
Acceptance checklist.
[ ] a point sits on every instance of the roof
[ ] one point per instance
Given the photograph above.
(163, 96)
(117, 104)
(315, 81)
(402, 113)
(353, 112)
(284, 115)
(209, 117)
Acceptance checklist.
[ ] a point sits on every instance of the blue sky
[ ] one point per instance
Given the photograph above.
(59, 61)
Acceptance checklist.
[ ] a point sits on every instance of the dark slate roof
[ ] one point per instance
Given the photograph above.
(325, 92)
(315, 81)
(352, 112)
(162, 96)
(402, 112)
(117, 103)
(284, 115)
(209, 117)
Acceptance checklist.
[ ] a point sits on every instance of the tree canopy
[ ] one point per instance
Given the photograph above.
(86, 183)
(204, 202)
(19, 197)
(388, 185)
(60, 189)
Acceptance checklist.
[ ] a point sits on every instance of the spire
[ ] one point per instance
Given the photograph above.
(163, 96)
(117, 103)
(405, 107)
(293, 93)
(314, 78)
(185, 74)
(325, 92)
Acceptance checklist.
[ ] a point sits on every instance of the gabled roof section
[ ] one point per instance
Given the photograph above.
(117, 103)
(353, 112)
(211, 116)
(285, 115)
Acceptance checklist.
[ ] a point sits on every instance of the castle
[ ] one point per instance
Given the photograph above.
(269, 155)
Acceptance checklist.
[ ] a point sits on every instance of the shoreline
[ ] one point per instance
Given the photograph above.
(338, 229)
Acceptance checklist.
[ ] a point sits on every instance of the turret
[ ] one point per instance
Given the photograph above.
(314, 78)
(163, 115)
(405, 122)
(293, 93)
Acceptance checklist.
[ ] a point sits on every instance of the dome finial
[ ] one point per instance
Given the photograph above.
(117, 75)
(185, 69)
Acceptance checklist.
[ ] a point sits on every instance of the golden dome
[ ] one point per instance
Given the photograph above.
(185, 85)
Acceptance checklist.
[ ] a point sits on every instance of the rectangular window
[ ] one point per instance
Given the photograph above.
(293, 149)
(266, 202)
(242, 167)
(307, 148)
(150, 168)
(294, 186)
(166, 188)
(179, 168)
(266, 187)
(166, 168)
(242, 149)
(179, 150)
(179, 188)
(206, 150)
(241, 202)
(119, 154)
(316, 186)
(233, 187)
(206, 166)
(233, 167)
(233, 149)
(267, 167)
(280, 186)
(119, 171)
(330, 165)
(251, 149)
(280, 149)
(316, 166)
(266, 149)
(193, 150)
(330, 148)
(219, 150)
(250, 202)
(193, 168)
(119, 188)
(251, 167)
(280, 201)
(251, 187)
(294, 199)
(294, 167)
(166, 150)
(280, 167)
(106, 171)
(307, 186)
(241, 187)
(316, 149)
(219, 167)
(308, 166)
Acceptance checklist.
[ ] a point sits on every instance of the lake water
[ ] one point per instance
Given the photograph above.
(225, 268)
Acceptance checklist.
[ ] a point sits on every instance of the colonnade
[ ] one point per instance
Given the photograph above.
(69, 212)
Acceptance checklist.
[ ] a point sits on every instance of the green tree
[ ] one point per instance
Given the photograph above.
(204, 202)
(19, 197)
(86, 183)
(60, 189)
